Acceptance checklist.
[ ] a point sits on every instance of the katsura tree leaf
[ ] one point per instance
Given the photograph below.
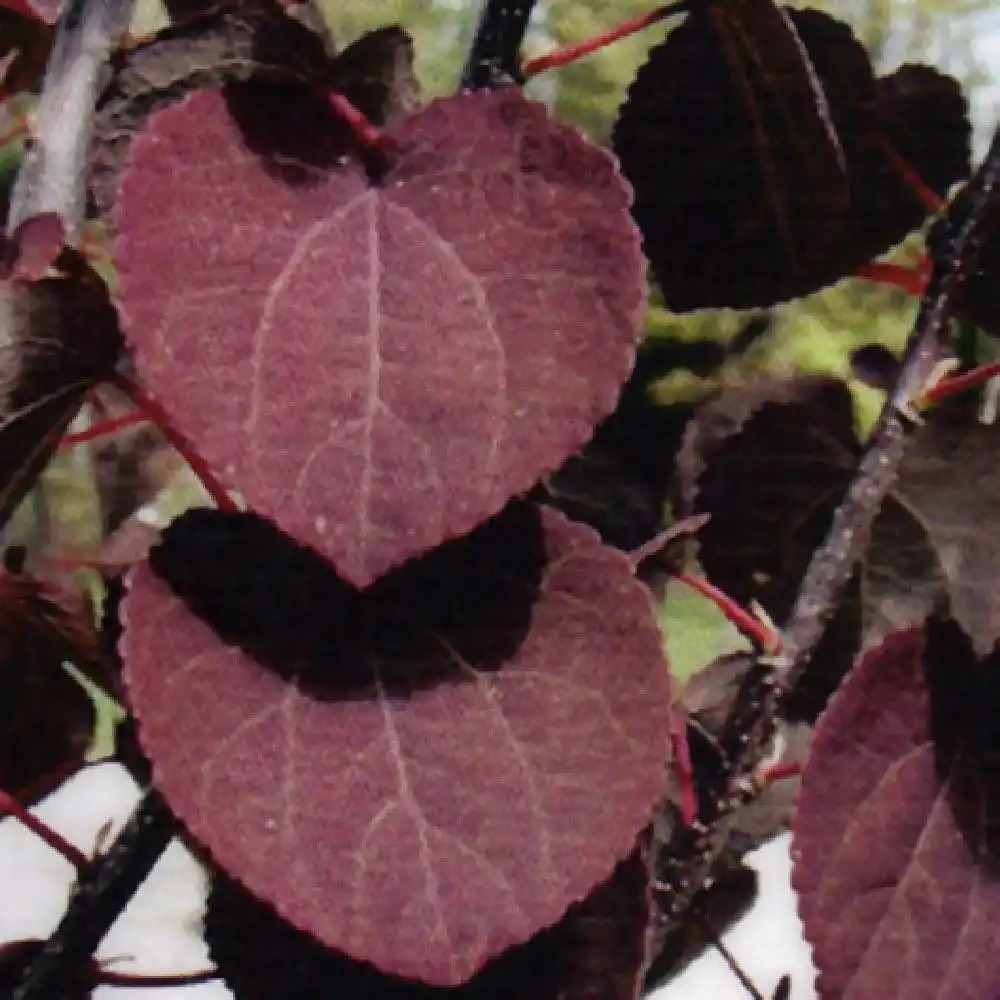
(59, 337)
(228, 43)
(770, 462)
(771, 159)
(593, 953)
(46, 716)
(949, 486)
(300, 341)
(894, 838)
(925, 116)
(470, 743)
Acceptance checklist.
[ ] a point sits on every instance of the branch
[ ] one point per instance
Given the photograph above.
(833, 562)
(98, 901)
(51, 175)
(682, 856)
(494, 60)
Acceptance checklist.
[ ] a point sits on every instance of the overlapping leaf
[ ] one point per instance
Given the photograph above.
(59, 336)
(593, 953)
(300, 341)
(894, 836)
(769, 461)
(46, 717)
(619, 482)
(232, 42)
(376, 73)
(774, 473)
(772, 159)
(423, 773)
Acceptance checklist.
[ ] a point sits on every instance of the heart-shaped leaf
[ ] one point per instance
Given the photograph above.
(770, 461)
(762, 135)
(894, 838)
(594, 953)
(300, 339)
(420, 774)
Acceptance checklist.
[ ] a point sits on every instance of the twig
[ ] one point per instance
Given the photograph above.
(52, 172)
(98, 900)
(494, 60)
(734, 967)
(833, 562)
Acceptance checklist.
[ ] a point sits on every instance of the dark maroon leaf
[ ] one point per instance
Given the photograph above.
(769, 461)
(922, 115)
(732, 145)
(593, 953)
(227, 43)
(25, 42)
(772, 486)
(386, 424)
(46, 717)
(893, 838)
(60, 337)
(619, 482)
(376, 73)
(925, 116)
(723, 140)
(949, 485)
(510, 674)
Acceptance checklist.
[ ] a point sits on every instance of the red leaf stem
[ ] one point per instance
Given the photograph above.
(156, 414)
(102, 428)
(779, 772)
(684, 769)
(955, 384)
(11, 807)
(911, 281)
(752, 627)
(366, 133)
(570, 54)
(929, 198)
